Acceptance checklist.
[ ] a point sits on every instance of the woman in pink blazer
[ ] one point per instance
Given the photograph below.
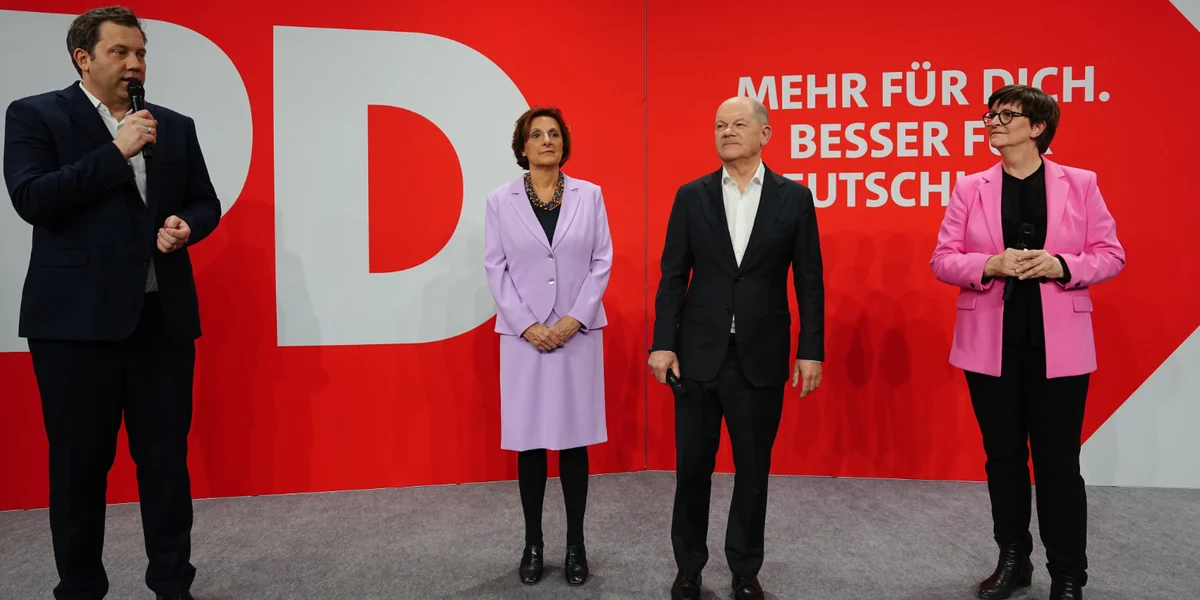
(1024, 242)
(548, 255)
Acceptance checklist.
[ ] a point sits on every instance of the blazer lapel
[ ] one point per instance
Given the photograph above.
(86, 116)
(566, 212)
(770, 202)
(714, 211)
(990, 191)
(1058, 194)
(524, 210)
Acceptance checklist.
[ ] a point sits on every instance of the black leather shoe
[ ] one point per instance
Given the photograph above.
(686, 586)
(747, 588)
(576, 565)
(532, 564)
(1065, 588)
(1014, 570)
(179, 596)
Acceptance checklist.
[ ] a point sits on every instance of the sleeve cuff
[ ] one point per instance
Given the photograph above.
(116, 166)
(1066, 278)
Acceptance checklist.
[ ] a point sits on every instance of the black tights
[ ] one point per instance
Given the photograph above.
(531, 474)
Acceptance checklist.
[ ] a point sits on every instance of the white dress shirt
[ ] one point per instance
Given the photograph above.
(138, 163)
(740, 210)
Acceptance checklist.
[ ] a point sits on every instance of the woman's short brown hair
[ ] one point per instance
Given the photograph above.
(1035, 104)
(521, 133)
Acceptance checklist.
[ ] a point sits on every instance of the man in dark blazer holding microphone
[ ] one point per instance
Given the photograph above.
(116, 197)
(722, 333)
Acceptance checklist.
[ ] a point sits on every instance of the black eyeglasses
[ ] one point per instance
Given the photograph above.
(1006, 116)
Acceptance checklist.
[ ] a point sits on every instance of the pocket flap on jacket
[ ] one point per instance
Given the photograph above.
(1082, 303)
(966, 301)
(61, 257)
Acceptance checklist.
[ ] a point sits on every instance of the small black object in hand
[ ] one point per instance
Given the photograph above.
(675, 383)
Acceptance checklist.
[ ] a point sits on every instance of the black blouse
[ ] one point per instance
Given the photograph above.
(1023, 203)
(549, 219)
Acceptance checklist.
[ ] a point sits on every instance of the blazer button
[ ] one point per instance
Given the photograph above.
(551, 282)
(729, 311)
(550, 256)
(972, 285)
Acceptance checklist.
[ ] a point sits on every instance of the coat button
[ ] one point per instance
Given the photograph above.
(972, 285)
(551, 282)
(729, 311)
(550, 256)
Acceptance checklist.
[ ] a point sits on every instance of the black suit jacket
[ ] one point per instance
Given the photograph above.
(93, 237)
(703, 287)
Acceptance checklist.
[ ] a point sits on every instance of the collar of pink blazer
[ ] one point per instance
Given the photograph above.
(1057, 193)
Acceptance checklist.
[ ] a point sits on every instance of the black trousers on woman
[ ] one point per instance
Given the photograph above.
(531, 477)
(1023, 411)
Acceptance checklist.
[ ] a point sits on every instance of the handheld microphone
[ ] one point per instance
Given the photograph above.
(137, 101)
(1024, 239)
(675, 383)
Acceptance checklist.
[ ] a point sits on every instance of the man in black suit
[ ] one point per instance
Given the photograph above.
(109, 306)
(723, 328)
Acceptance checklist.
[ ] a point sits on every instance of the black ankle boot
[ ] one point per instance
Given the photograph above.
(1013, 570)
(1065, 588)
(576, 566)
(532, 564)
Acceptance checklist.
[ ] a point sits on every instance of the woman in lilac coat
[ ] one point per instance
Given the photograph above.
(548, 254)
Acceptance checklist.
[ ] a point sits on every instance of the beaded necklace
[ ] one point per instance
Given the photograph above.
(533, 198)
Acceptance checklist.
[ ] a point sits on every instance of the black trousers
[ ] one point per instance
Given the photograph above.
(1023, 411)
(752, 417)
(86, 389)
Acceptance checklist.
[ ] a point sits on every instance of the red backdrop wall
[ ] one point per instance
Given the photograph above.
(890, 404)
(640, 83)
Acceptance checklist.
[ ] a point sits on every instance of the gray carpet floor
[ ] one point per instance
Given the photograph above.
(827, 539)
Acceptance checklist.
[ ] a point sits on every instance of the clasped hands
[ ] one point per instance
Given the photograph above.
(547, 339)
(1024, 264)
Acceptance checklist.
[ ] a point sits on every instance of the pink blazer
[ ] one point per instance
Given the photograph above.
(529, 277)
(1078, 227)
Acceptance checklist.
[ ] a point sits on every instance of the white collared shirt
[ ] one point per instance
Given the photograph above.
(137, 163)
(740, 210)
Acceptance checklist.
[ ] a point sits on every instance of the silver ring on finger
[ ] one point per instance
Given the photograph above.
(150, 130)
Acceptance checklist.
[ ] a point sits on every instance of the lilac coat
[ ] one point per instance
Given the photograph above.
(528, 276)
(549, 400)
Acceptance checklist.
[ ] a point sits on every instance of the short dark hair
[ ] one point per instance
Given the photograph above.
(525, 123)
(85, 29)
(1037, 105)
